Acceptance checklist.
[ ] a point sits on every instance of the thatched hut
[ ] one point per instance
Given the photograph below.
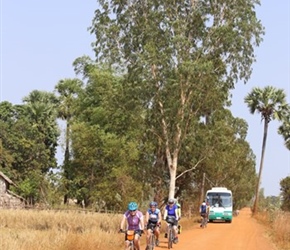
(7, 198)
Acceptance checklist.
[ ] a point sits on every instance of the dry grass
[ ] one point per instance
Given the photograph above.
(279, 227)
(77, 230)
(63, 230)
(30, 229)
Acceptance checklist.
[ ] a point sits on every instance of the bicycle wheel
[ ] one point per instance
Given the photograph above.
(204, 220)
(151, 242)
(170, 237)
(131, 246)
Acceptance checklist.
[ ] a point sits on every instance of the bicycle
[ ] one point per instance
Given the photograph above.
(152, 237)
(170, 235)
(203, 220)
(130, 237)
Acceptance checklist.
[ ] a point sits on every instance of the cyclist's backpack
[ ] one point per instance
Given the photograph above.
(203, 209)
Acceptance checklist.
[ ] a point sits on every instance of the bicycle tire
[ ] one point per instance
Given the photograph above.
(204, 221)
(131, 245)
(170, 238)
(151, 242)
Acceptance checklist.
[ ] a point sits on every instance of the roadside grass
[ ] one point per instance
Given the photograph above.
(279, 227)
(64, 229)
(58, 230)
(80, 229)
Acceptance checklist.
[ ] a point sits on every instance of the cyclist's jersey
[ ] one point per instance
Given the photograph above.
(171, 210)
(133, 221)
(153, 216)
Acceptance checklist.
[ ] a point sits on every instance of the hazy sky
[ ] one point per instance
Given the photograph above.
(41, 39)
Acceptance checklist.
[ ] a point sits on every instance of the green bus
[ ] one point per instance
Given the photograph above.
(220, 201)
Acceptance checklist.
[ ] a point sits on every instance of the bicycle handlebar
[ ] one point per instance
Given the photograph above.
(135, 231)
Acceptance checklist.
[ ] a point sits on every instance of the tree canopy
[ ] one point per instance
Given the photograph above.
(149, 117)
(179, 58)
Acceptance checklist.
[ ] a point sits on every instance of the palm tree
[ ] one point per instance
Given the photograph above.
(40, 108)
(68, 90)
(271, 104)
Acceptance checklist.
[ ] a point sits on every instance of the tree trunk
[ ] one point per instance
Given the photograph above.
(201, 198)
(256, 203)
(172, 160)
(66, 161)
(172, 171)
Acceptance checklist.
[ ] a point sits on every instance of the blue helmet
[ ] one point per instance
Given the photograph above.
(153, 204)
(132, 206)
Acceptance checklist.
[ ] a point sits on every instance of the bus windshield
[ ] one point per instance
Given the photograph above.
(219, 199)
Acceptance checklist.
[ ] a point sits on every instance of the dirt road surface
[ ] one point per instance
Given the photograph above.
(244, 233)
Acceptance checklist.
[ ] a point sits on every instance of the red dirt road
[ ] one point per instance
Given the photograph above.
(244, 233)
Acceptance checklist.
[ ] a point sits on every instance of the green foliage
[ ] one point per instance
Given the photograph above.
(28, 188)
(40, 110)
(68, 90)
(284, 129)
(103, 136)
(269, 102)
(175, 34)
(269, 203)
(285, 193)
(29, 136)
(150, 110)
(179, 59)
(229, 160)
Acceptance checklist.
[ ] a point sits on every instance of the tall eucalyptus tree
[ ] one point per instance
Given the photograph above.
(271, 104)
(181, 58)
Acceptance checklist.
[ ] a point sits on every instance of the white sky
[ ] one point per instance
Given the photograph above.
(41, 39)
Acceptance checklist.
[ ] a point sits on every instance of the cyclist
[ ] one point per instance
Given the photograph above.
(134, 219)
(171, 210)
(203, 210)
(153, 216)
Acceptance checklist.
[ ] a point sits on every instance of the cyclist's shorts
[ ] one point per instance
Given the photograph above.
(175, 222)
(151, 225)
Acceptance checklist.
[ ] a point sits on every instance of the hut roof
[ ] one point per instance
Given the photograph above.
(15, 195)
(6, 178)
